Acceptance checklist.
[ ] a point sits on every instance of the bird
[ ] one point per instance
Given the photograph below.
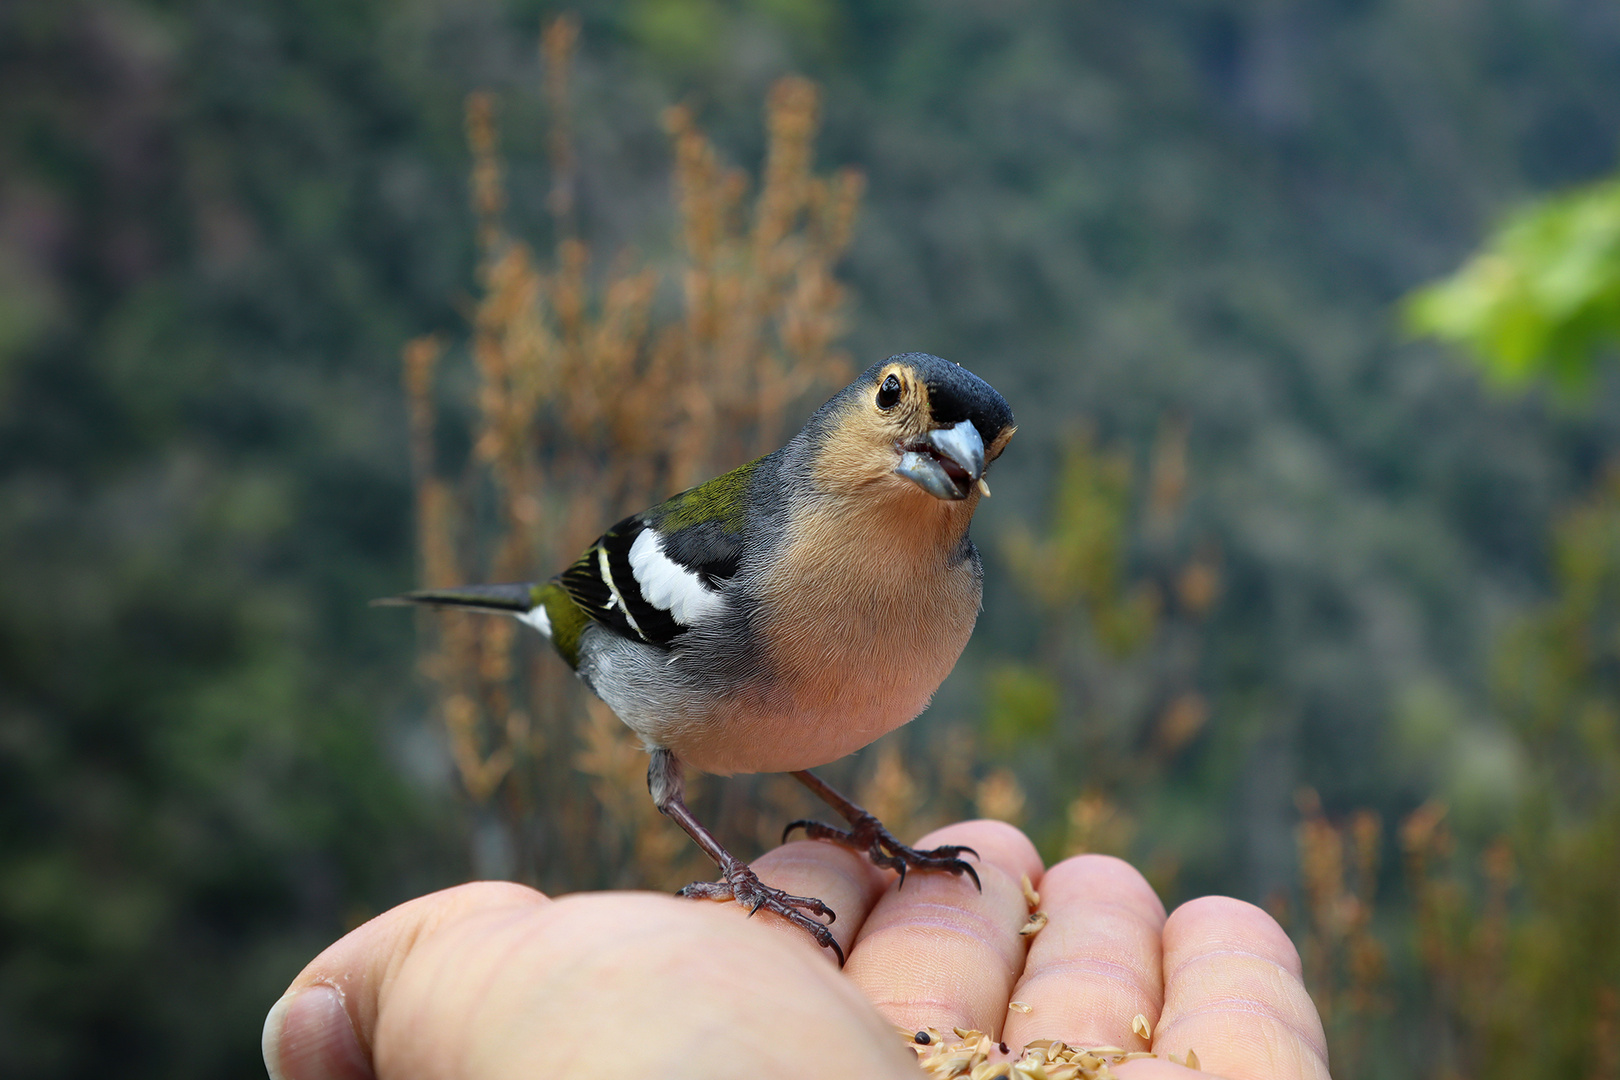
(790, 611)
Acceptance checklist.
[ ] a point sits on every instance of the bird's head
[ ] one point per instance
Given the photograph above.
(915, 421)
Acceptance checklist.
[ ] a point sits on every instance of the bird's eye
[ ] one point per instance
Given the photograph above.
(888, 395)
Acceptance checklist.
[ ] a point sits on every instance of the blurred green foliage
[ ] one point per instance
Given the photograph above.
(1022, 706)
(1542, 300)
(200, 487)
(1559, 680)
(1512, 931)
(1078, 564)
(1097, 716)
(1541, 305)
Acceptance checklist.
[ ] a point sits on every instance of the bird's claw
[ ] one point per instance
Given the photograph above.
(741, 884)
(868, 834)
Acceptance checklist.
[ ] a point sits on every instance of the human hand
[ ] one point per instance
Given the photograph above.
(492, 980)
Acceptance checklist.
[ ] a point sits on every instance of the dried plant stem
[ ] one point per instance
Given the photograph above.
(587, 406)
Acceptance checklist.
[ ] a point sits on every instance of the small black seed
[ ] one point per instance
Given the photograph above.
(1004, 1048)
(922, 1037)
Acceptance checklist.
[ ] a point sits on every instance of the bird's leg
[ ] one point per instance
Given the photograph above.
(737, 881)
(866, 833)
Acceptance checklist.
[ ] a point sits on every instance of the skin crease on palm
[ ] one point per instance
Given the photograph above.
(494, 981)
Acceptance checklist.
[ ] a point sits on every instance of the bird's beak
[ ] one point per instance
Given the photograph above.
(947, 462)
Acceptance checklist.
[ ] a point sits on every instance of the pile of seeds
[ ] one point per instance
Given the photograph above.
(968, 1055)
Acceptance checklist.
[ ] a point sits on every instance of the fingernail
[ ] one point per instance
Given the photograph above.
(309, 1036)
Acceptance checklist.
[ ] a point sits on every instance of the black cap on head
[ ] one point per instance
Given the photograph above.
(955, 394)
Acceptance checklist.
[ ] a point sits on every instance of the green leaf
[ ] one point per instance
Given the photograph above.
(1542, 300)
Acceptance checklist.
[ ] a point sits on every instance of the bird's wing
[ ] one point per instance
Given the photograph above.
(657, 574)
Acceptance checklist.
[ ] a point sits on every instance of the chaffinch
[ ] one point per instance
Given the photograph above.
(790, 611)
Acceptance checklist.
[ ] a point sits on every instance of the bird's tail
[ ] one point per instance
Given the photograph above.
(516, 599)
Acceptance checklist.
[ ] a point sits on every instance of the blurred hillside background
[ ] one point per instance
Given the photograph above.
(1284, 600)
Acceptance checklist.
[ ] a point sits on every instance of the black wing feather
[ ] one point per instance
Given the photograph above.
(690, 536)
(635, 617)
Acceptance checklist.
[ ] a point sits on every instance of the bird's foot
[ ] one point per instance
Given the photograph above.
(867, 834)
(741, 884)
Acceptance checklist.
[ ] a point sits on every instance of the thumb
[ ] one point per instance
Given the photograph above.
(324, 1027)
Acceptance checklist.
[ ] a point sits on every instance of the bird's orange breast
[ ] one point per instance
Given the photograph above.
(872, 606)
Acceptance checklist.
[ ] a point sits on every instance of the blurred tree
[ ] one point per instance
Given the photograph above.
(201, 781)
(1540, 305)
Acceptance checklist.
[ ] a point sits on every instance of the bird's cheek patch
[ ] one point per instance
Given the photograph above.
(859, 450)
(668, 585)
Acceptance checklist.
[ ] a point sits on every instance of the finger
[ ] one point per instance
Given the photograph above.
(940, 953)
(1097, 963)
(1233, 993)
(844, 880)
(603, 984)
